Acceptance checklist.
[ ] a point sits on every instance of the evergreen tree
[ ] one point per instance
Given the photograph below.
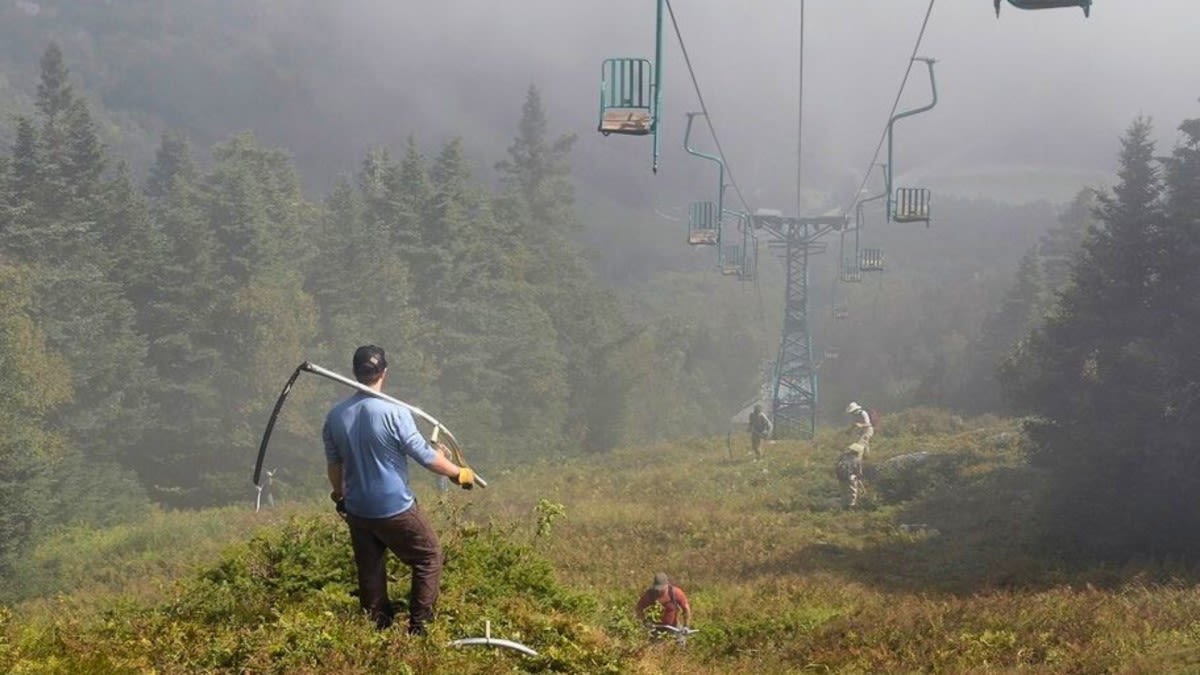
(54, 93)
(536, 174)
(1043, 273)
(1106, 386)
(252, 204)
(33, 381)
(539, 196)
(57, 229)
(25, 165)
(172, 161)
(362, 287)
(412, 194)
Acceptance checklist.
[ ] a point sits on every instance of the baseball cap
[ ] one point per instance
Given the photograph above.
(660, 581)
(369, 362)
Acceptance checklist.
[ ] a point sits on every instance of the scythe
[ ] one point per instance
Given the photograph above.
(440, 433)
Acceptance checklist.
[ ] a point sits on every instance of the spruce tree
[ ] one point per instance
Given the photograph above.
(34, 380)
(172, 161)
(1097, 377)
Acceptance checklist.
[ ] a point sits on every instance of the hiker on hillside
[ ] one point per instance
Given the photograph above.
(672, 600)
(861, 424)
(849, 472)
(760, 429)
(367, 445)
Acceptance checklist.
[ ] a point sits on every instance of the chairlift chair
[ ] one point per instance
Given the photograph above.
(704, 226)
(907, 205)
(627, 97)
(1085, 5)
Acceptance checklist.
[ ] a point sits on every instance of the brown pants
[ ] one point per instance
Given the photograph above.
(411, 538)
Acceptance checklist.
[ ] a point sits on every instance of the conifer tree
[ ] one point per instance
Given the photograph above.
(25, 166)
(539, 196)
(57, 230)
(172, 161)
(33, 381)
(1102, 378)
(54, 93)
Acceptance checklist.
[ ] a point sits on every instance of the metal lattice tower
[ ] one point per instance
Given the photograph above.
(794, 399)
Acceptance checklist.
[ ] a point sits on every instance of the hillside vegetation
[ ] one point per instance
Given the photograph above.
(934, 573)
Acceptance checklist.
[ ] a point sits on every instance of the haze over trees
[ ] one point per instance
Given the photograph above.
(147, 329)
(152, 312)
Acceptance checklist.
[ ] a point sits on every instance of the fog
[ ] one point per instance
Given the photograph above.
(1031, 104)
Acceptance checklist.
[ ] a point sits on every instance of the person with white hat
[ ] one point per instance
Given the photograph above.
(861, 423)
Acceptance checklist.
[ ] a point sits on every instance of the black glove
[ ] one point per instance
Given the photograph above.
(339, 503)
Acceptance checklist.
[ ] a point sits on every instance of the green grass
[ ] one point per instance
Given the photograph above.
(554, 554)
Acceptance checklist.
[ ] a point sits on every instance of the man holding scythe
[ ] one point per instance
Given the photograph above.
(367, 443)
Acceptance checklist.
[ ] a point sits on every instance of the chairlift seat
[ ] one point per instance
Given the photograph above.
(704, 237)
(626, 97)
(1085, 5)
(631, 121)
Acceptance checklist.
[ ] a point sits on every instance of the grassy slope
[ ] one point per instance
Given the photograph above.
(781, 580)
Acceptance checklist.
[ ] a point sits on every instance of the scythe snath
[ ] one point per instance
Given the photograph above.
(440, 435)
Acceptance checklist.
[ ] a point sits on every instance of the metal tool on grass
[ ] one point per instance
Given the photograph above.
(488, 641)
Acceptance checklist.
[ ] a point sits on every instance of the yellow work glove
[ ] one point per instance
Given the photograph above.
(466, 478)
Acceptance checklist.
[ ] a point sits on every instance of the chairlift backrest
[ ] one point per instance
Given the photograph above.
(704, 224)
(911, 205)
(731, 259)
(871, 260)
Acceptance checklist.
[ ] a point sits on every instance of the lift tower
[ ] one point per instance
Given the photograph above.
(794, 400)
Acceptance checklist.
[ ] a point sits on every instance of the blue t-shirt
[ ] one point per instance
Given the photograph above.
(372, 439)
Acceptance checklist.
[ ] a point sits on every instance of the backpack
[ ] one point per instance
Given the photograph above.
(874, 415)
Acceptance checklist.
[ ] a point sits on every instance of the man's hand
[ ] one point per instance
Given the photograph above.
(465, 478)
(339, 503)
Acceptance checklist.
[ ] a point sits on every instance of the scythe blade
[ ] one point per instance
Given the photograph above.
(262, 446)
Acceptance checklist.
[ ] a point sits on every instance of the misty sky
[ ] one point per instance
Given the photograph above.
(1031, 104)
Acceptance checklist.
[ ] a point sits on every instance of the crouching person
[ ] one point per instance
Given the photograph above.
(849, 471)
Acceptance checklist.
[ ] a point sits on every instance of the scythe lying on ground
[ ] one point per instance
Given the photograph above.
(440, 435)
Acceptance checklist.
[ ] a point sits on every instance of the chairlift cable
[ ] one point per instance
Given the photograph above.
(895, 105)
(704, 108)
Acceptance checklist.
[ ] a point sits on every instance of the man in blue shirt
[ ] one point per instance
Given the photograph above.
(367, 445)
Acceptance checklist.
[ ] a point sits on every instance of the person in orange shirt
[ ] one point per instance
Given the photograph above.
(672, 599)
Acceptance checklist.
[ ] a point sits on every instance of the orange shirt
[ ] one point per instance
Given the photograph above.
(671, 598)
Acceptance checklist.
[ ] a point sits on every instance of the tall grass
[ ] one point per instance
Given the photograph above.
(936, 572)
